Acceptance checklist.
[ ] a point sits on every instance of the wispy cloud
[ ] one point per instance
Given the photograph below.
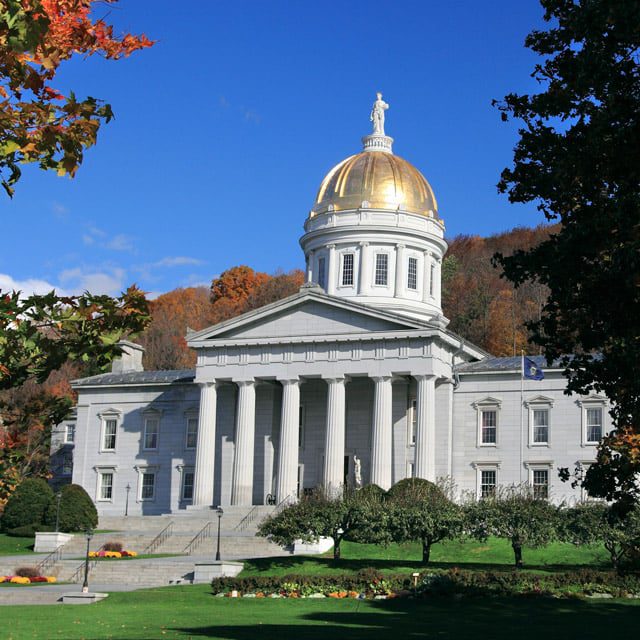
(110, 281)
(120, 242)
(176, 261)
(28, 286)
(94, 235)
(59, 210)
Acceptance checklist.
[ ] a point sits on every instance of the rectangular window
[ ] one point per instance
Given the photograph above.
(432, 279)
(540, 484)
(412, 273)
(489, 426)
(413, 420)
(151, 428)
(347, 270)
(109, 438)
(70, 434)
(192, 433)
(382, 269)
(67, 464)
(540, 426)
(411, 470)
(148, 488)
(187, 485)
(106, 485)
(594, 424)
(322, 281)
(487, 483)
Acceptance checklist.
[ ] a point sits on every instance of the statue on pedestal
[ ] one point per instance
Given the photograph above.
(377, 115)
(357, 472)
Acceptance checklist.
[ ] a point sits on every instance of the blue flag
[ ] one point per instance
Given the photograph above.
(531, 370)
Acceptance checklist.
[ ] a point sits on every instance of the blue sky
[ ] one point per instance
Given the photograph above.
(226, 127)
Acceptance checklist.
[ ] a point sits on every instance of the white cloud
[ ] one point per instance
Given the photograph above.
(78, 280)
(28, 286)
(176, 261)
(121, 242)
(87, 239)
(59, 210)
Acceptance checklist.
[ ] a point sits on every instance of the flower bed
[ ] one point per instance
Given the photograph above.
(25, 580)
(112, 554)
(368, 583)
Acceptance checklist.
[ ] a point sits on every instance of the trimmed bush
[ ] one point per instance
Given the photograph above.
(27, 572)
(28, 530)
(77, 511)
(407, 488)
(27, 504)
(112, 546)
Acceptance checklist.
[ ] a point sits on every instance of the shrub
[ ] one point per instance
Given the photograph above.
(28, 530)
(27, 572)
(27, 504)
(77, 511)
(112, 546)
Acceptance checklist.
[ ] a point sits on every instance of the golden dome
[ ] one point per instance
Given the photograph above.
(375, 180)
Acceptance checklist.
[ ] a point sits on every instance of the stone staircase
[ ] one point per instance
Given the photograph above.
(191, 534)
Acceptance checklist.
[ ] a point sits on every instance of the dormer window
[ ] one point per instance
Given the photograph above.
(382, 269)
(347, 270)
(412, 274)
(322, 280)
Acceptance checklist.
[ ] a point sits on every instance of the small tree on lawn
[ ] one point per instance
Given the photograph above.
(598, 523)
(514, 514)
(77, 511)
(321, 515)
(27, 505)
(420, 510)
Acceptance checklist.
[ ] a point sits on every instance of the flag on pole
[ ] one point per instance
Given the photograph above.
(531, 370)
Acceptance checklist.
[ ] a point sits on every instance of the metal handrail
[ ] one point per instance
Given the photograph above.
(196, 541)
(166, 533)
(75, 577)
(248, 519)
(283, 503)
(49, 560)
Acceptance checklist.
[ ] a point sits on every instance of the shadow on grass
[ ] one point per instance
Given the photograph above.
(321, 564)
(472, 618)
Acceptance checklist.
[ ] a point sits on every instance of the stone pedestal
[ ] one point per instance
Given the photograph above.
(79, 597)
(312, 548)
(47, 541)
(207, 571)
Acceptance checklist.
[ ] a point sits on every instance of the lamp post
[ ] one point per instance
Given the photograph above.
(126, 504)
(220, 513)
(58, 498)
(85, 584)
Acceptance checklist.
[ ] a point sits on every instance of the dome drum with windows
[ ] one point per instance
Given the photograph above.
(374, 233)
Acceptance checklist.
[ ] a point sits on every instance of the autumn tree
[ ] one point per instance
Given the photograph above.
(578, 159)
(278, 286)
(38, 124)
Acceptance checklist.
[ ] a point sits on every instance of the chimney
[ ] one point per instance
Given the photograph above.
(131, 358)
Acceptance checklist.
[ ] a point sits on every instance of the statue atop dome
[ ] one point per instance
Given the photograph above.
(377, 115)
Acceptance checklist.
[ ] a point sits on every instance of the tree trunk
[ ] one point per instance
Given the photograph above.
(517, 550)
(426, 551)
(336, 548)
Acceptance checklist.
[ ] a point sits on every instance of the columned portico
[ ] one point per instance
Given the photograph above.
(205, 453)
(286, 481)
(333, 471)
(381, 441)
(425, 461)
(242, 489)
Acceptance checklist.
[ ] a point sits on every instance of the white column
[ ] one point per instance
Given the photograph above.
(363, 282)
(437, 285)
(426, 427)
(399, 270)
(333, 472)
(206, 445)
(382, 433)
(287, 479)
(310, 257)
(242, 489)
(426, 280)
(331, 275)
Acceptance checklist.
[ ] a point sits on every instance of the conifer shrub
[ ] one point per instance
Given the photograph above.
(27, 505)
(77, 510)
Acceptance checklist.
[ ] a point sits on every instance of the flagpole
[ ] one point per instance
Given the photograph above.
(521, 409)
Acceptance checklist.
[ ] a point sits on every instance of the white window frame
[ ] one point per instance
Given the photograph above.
(490, 465)
(539, 403)
(322, 272)
(142, 471)
(184, 470)
(481, 406)
(100, 470)
(191, 416)
(105, 417)
(412, 421)
(417, 270)
(592, 402)
(532, 467)
(343, 256)
(375, 269)
(151, 415)
(69, 428)
(432, 278)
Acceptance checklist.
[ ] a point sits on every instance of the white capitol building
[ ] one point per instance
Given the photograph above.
(358, 369)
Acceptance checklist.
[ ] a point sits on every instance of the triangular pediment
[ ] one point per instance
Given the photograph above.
(306, 314)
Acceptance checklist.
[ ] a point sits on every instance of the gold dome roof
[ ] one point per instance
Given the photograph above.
(375, 180)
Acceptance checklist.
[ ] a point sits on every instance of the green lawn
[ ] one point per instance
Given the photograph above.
(494, 554)
(191, 612)
(12, 546)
